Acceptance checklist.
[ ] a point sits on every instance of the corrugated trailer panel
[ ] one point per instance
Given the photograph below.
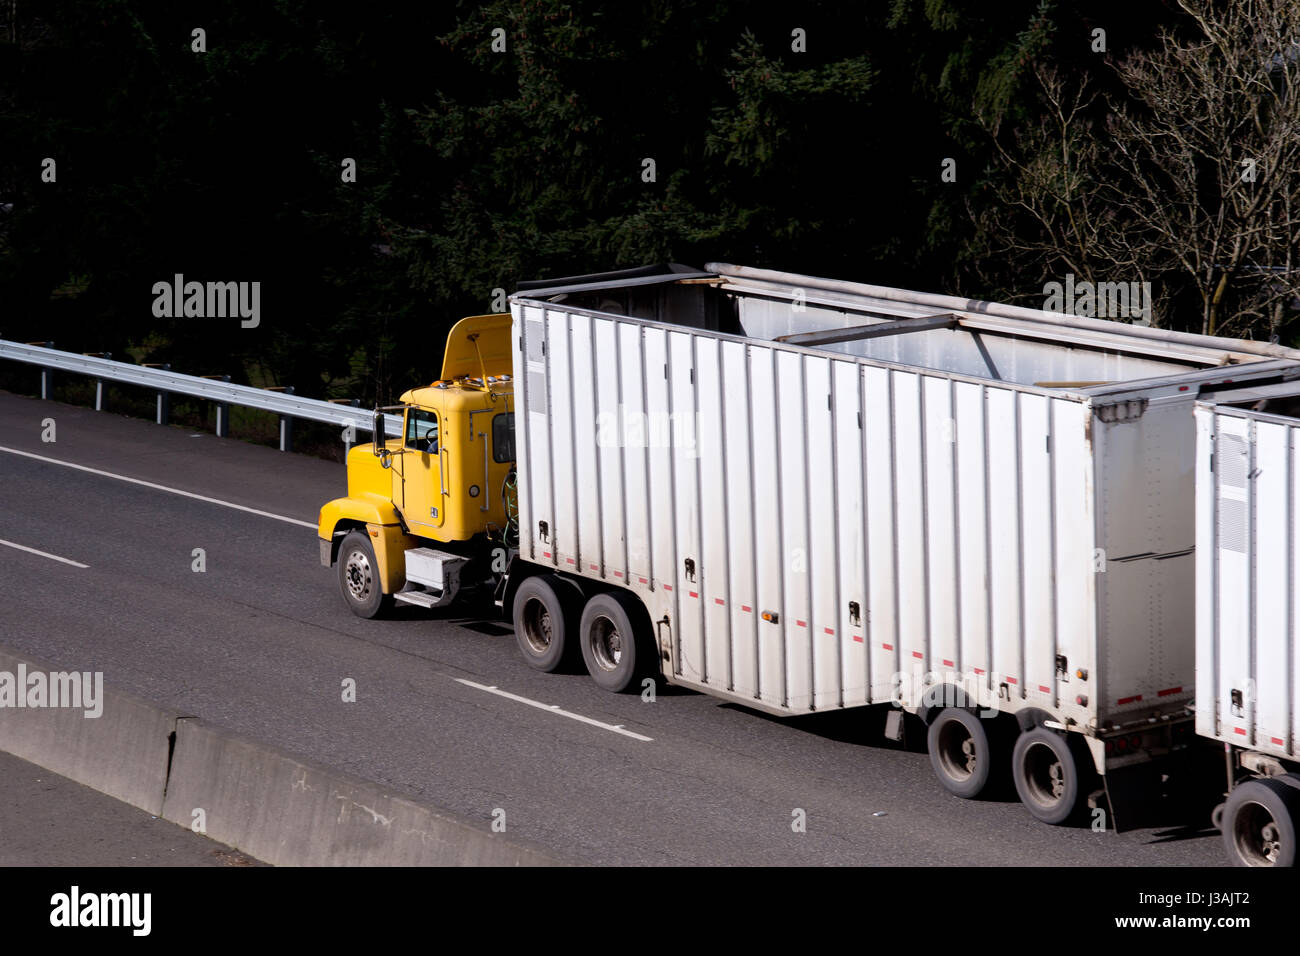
(738, 448)
(940, 505)
(849, 527)
(1075, 607)
(971, 423)
(1004, 518)
(1248, 676)
(791, 511)
(881, 615)
(767, 528)
(897, 522)
(1146, 497)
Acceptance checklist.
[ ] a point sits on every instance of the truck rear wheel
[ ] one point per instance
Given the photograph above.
(961, 752)
(544, 613)
(359, 577)
(1259, 823)
(615, 641)
(1048, 769)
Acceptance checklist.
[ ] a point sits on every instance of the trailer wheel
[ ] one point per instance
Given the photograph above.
(1048, 770)
(961, 752)
(359, 577)
(614, 648)
(543, 615)
(1259, 823)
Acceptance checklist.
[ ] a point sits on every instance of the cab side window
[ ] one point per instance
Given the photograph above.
(503, 437)
(422, 430)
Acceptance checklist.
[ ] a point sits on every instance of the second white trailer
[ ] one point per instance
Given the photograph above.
(1248, 582)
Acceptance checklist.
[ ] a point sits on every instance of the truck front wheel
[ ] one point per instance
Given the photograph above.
(359, 576)
(615, 641)
(1259, 823)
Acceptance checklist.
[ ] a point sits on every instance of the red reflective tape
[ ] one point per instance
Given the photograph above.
(858, 638)
(801, 623)
(719, 602)
(918, 655)
(694, 594)
(594, 568)
(1011, 680)
(618, 574)
(979, 670)
(1277, 741)
(1239, 730)
(746, 608)
(1129, 700)
(1169, 690)
(1044, 688)
(829, 630)
(546, 554)
(948, 663)
(888, 647)
(571, 561)
(668, 587)
(642, 580)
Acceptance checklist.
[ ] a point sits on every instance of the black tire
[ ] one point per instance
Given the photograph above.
(545, 614)
(1049, 770)
(359, 577)
(615, 640)
(1259, 823)
(962, 752)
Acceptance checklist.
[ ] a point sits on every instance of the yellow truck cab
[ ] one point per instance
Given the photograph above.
(422, 506)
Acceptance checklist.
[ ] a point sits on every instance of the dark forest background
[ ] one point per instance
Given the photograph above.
(477, 169)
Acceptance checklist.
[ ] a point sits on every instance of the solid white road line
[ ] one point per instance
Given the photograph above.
(554, 709)
(43, 554)
(156, 487)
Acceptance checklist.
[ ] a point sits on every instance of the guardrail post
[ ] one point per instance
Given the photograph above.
(99, 382)
(286, 423)
(47, 374)
(163, 403)
(223, 410)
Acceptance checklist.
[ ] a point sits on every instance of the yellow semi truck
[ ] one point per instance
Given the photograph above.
(424, 507)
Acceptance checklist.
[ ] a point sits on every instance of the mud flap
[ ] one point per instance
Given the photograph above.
(1175, 790)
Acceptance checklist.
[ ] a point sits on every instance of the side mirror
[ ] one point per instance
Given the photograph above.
(377, 430)
(385, 458)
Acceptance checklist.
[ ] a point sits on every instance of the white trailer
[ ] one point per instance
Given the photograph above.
(1248, 578)
(805, 495)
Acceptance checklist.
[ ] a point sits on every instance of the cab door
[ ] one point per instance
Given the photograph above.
(421, 476)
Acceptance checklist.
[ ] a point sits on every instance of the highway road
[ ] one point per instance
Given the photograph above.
(261, 642)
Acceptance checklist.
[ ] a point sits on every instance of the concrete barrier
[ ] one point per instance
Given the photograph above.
(287, 811)
(270, 804)
(123, 752)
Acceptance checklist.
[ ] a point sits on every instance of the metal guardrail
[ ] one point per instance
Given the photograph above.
(163, 382)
